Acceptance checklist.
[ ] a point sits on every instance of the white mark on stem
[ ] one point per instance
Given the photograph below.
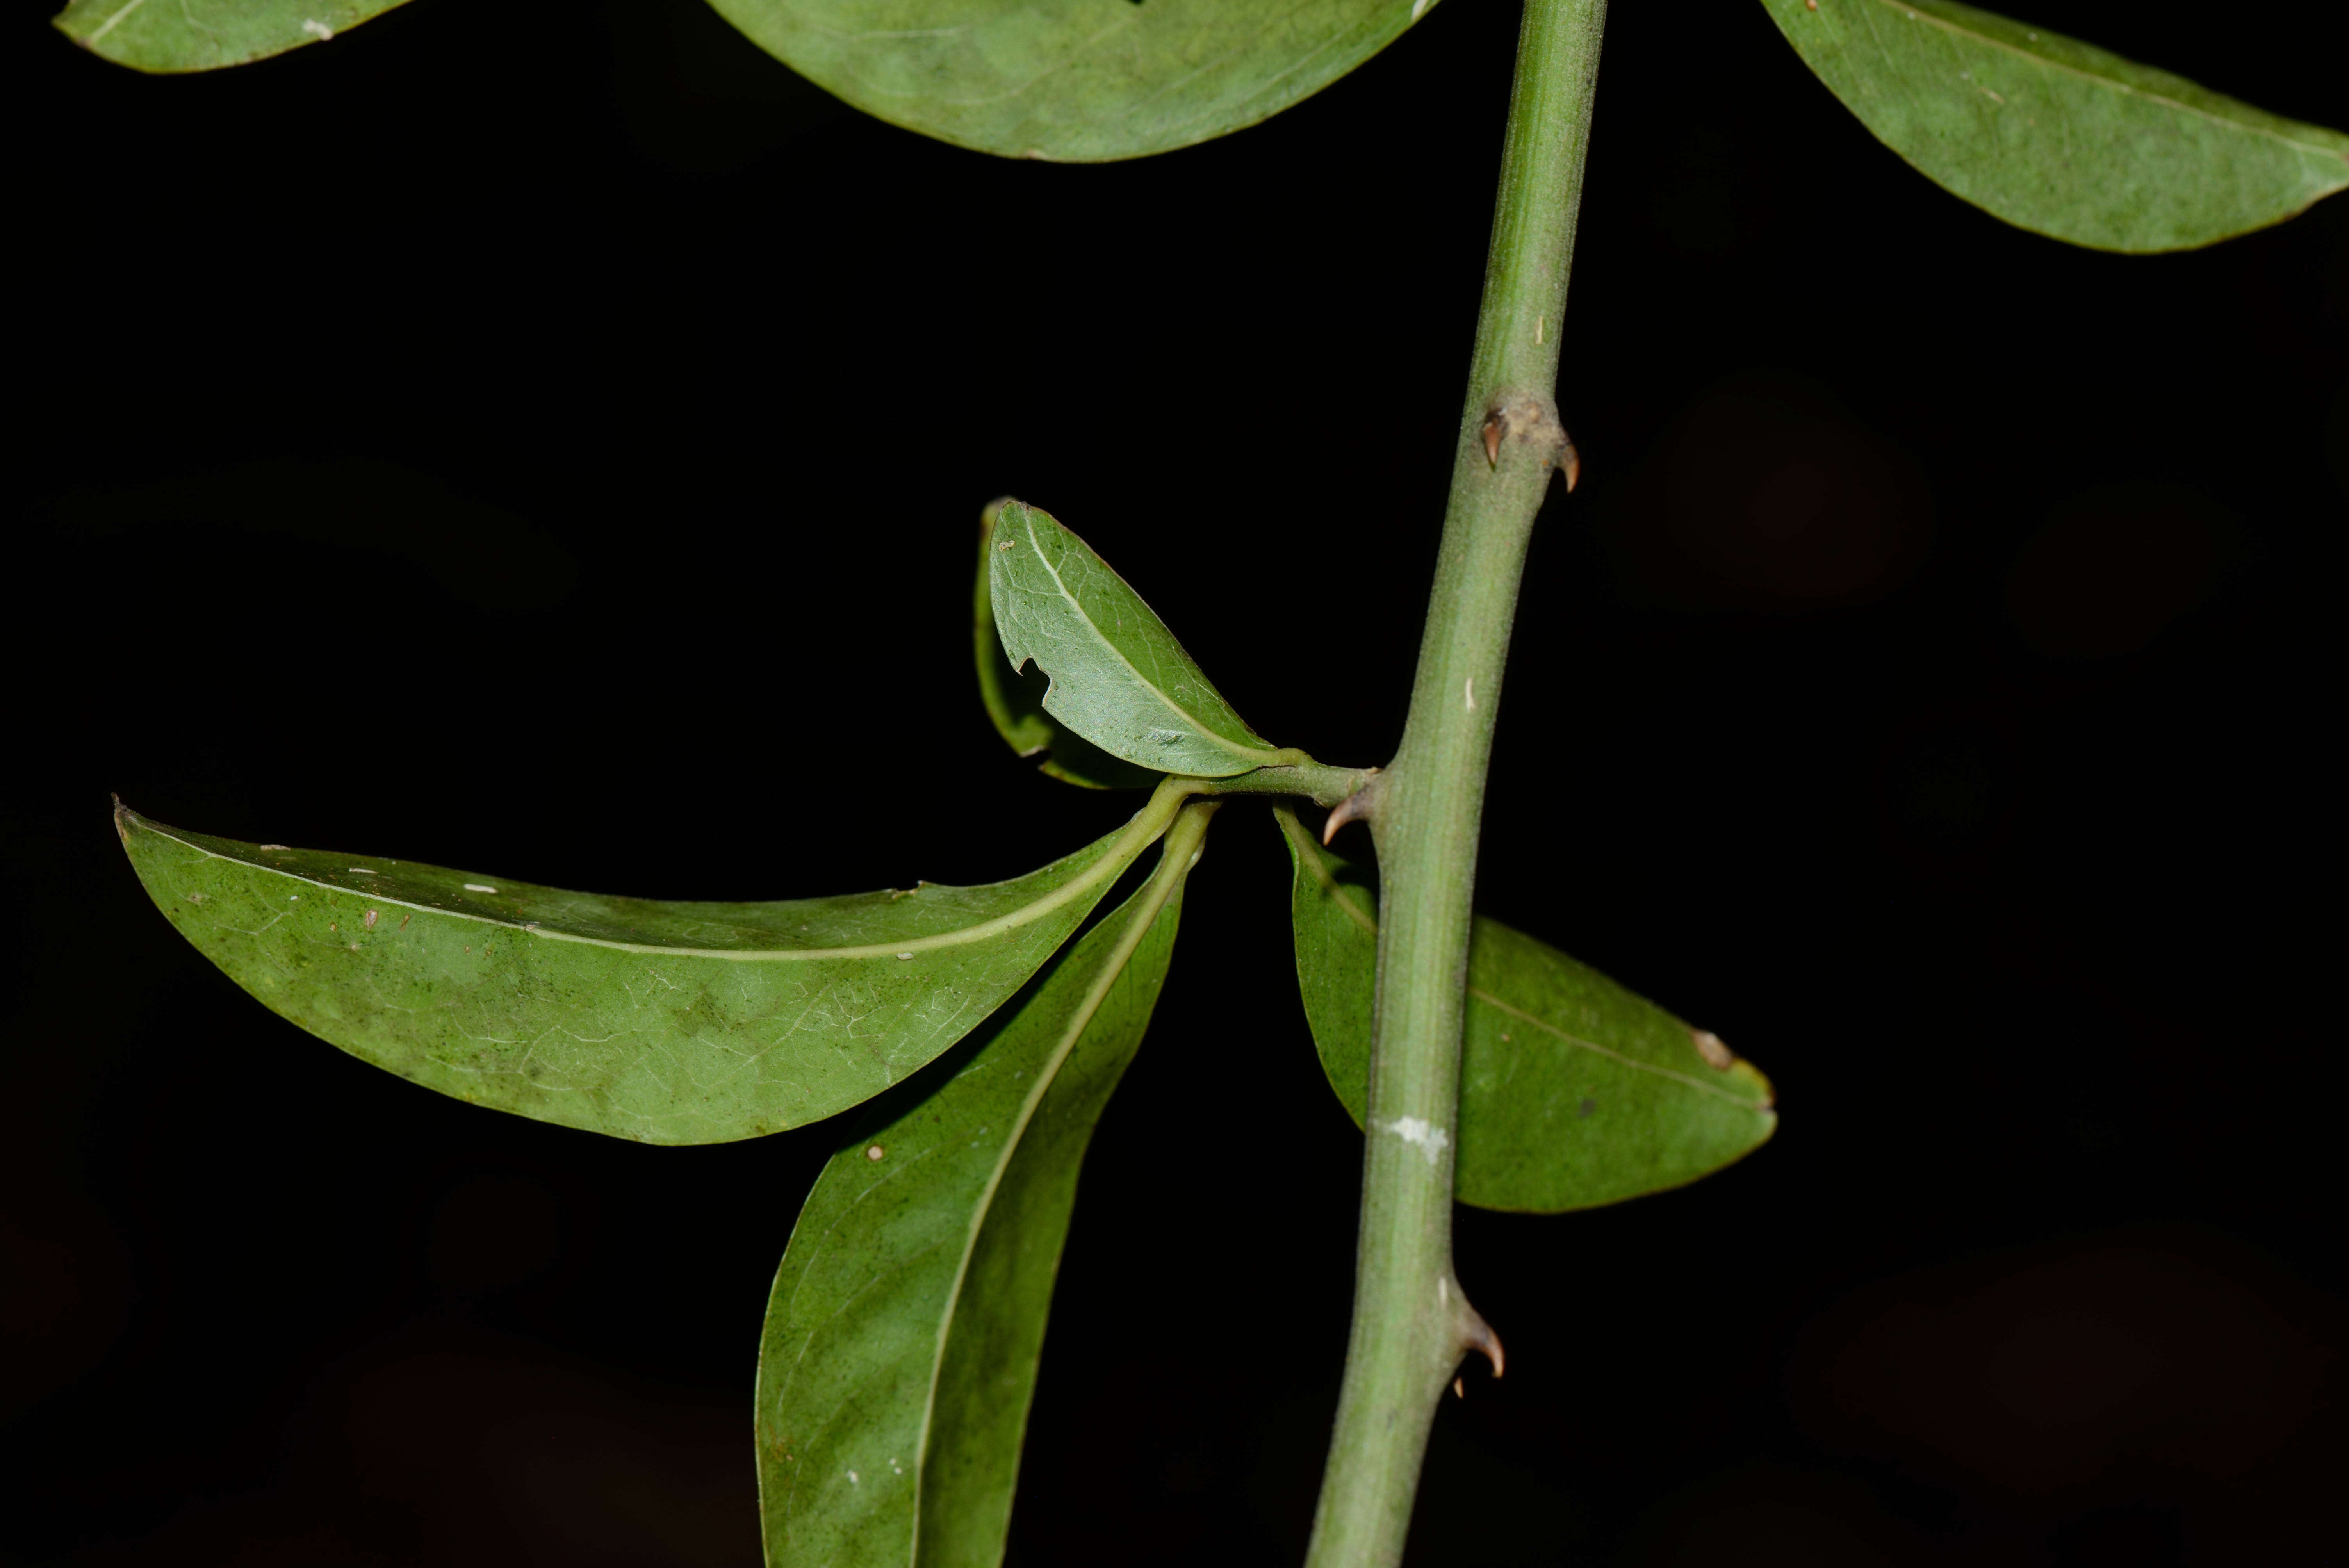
(478, 887)
(1469, 692)
(1426, 1136)
(1442, 1291)
(1537, 329)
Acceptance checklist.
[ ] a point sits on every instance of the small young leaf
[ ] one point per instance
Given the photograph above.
(1015, 698)
(2057, 136)
(1073, 80)
(669, 1023)
(904, 1330)
(1119, 679)
(1573, 1091)
(205, 35)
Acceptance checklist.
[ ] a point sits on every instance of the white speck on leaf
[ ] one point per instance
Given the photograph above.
(361, 871)
(1419, 8)
(875, 1152)
(1717, 1054)
(317, 29)
(853, 1481)
(280, 848)
(905, 955)
(371, 918)
(478, 887)
(1429, 1139)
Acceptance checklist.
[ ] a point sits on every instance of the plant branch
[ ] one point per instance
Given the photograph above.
(1411, 1324)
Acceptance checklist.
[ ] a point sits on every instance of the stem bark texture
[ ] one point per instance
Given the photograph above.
(1411, 1324)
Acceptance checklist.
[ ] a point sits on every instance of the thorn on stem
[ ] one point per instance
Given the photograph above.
(1355, 807)
(1493, 438)
(1480, 1338)
(1460, 1387)
(1570, 462)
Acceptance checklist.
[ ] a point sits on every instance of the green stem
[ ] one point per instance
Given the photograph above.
(1412, 1324)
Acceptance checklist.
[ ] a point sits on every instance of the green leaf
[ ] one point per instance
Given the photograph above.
(670, 1022)
(1015, 698)
(1073, 80)
(205, 35)
(1573, 1091)
(1119, 679)
(2057, 136)
(903, 1332)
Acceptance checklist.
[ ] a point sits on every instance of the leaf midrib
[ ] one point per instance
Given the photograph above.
(1245, 754)
(1333, 890)
(1136, 838)
(1153, 902)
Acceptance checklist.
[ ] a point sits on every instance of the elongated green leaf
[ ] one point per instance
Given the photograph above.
(670, 1022)
(1119, 679)
(1073, 80)
(903, 1333)
(2057, 136)
(1573, 1091)
(1015, 698)
(205, 35)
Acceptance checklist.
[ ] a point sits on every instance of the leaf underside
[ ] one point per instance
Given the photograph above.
(205, 35)
(907, 1320)
(2057, 136)
(1073, 80)
(667, 1022)
(1574, 1092)
(1118, 676)
(1015, 699)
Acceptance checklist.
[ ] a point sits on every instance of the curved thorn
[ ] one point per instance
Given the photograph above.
(1355, 807)
(1480, 1338)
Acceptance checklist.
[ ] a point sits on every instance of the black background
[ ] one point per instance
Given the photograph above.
(549, 441)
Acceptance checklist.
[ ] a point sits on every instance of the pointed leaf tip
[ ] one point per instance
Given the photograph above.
(2057, 136)
(665, 1023)
(1574, 1092)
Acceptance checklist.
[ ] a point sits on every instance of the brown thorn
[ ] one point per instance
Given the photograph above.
(1493, 440)
(1354, 808)
(1570, 461)
(1459, 1388)
(1482, 1338)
